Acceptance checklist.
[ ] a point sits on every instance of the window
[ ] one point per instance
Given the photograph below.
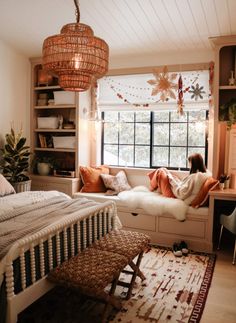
(153, 139)
(142, 130)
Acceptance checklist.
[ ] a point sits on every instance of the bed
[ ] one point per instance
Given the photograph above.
(38, 231)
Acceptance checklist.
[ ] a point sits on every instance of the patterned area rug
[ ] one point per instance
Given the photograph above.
(175, 290)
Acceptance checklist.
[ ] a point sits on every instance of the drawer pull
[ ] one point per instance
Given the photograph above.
(134, 214)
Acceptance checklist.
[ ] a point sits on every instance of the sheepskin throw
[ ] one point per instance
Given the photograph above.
(154, 203)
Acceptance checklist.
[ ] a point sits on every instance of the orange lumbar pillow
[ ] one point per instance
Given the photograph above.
(202, 196)
(92, 180)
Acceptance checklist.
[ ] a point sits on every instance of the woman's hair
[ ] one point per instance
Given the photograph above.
(197, 164)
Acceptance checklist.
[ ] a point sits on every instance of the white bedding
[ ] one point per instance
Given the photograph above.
(14, 201)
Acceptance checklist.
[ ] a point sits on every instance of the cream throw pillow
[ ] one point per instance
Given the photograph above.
(117, 183)
(5, 187)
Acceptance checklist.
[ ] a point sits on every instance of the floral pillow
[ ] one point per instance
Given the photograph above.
(5, 187)
(116, 184)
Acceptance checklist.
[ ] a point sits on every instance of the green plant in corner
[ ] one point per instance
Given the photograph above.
(14, 161)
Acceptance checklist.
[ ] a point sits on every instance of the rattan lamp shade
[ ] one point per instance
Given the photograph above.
(76, 56)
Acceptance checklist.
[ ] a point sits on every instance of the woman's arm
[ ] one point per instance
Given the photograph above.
(182, 189)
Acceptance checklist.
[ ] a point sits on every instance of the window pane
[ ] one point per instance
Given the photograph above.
(142, 133)
(178, 135)
(178, 157)
(161, 134)
(192, 150)
(126, 156)
(197, 115)
(161, 116)
(196, 136)
(142, 156)
(126, 133)
(160, 156)
(111, 116)
(127, 116)
(110, 155)
(111, 133)
(176, 117)
(143, 116)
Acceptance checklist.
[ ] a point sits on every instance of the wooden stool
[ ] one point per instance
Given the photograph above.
(90, 272)
(129, 244)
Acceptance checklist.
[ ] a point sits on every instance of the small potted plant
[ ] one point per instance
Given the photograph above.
(14, 162)
(222, 181)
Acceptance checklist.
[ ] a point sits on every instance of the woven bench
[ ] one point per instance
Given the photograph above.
(101, 264)
(129, 244)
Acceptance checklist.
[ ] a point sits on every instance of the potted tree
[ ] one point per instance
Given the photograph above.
(14, 162)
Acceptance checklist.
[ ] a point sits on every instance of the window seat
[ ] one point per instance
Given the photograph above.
(164, 229)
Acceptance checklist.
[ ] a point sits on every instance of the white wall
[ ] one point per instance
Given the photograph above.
(168, 58)
(14, 91)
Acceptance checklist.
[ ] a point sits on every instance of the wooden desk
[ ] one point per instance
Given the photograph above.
(228, 194)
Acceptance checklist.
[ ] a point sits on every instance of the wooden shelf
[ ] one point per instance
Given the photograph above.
(54, 130)
(227, 87)
(50, 87)
(66, 106)
(55, 149)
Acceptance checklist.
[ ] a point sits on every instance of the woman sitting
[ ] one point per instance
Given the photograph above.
(186, 189)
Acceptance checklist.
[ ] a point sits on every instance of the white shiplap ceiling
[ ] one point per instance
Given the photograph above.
(130, 27)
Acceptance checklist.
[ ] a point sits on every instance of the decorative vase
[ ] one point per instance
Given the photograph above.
(43, 169)
(221, 186)
(226, 183)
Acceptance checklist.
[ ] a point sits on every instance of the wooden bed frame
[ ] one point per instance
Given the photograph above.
(93, 225)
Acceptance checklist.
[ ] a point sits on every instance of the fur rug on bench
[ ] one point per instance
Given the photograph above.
(154, 203)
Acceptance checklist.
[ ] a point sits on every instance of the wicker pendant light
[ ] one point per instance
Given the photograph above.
(76, 56)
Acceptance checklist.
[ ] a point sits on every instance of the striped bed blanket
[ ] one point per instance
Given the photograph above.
(19, 222)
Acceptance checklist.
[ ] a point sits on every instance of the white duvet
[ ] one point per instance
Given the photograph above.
(14, 201)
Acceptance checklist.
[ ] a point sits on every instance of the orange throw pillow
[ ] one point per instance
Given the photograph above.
(202, 196)
(92, 180)
(159, 179)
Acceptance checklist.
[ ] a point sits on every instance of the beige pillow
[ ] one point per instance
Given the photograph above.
(117, 183)
(5, 187)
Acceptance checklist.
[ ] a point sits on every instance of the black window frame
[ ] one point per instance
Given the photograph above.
(152, 122)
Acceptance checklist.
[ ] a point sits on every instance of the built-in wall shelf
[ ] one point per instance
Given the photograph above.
(68, 106)
(227, 87)
(55, 130)
(50, 87)
(55, 149)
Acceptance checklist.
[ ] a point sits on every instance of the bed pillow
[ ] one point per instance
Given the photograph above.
(92, 180)
(202, 196)
(116, 184)
(159, 179)
(5, 187)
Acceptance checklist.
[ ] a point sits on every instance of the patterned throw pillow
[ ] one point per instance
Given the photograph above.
(5, 187)
(202, 196)
(117, 183)
(92, 180)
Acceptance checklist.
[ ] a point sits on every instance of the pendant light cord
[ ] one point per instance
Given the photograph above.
(77, 12)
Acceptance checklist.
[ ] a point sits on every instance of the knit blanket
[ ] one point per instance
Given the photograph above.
(154, 203)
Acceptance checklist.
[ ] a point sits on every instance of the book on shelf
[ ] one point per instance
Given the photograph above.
(42, 141)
